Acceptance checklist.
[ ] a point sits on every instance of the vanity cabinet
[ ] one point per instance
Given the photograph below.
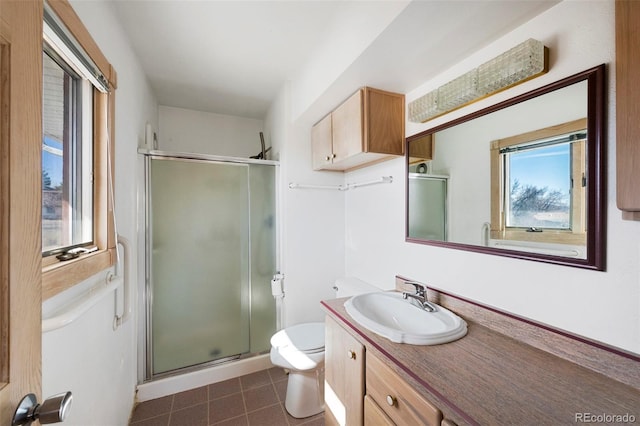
(360, 389)
(344, 376)
(532, 375)
(366, 128)
(627, 110)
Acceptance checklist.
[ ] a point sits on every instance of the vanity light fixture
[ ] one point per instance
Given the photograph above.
(525, 61)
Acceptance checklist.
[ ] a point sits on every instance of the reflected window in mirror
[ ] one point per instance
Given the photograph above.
(538, 182)
(525, 177)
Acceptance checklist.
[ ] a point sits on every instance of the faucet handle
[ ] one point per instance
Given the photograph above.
(421, 289)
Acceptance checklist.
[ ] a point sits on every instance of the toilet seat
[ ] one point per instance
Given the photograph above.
(307, 338)
(299, 347)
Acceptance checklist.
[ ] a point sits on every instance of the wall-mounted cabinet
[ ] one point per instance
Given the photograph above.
(366, 128)
(628, 107)
(421, 149)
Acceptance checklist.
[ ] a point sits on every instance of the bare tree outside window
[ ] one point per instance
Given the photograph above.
(533, 206)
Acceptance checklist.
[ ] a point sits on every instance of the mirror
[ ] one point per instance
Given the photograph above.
(524, 178)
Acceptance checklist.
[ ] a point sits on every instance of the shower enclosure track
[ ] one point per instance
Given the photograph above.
(205, 157)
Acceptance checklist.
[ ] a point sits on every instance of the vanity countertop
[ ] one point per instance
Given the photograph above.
(490, 378)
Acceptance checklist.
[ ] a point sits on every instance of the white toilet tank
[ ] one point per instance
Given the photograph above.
(351, 286)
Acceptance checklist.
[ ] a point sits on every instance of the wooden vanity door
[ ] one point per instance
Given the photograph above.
(344, 377)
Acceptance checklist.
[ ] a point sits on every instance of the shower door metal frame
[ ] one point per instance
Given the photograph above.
(146, 342)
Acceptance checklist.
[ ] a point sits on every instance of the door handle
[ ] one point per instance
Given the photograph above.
(53, 410)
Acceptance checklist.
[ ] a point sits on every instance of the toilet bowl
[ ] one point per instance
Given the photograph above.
(300, 349)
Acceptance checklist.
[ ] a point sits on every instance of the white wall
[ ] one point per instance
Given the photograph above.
(604, 306)
(277, 126)
(311, 221)
(187, 130)
(88, 357)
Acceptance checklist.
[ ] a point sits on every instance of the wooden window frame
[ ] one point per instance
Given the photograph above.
(499, 230)
(4, 206)
(58, 276)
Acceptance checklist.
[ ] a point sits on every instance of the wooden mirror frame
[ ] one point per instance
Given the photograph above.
(596, 166)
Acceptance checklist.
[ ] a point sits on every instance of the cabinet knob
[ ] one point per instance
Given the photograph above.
(391, 400)
(333, 156)
(328, 158)
(351, 354)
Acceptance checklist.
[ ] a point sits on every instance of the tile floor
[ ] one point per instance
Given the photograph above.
(256, 399)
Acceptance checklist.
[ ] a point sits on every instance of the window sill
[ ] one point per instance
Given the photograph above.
(63, 275)
(547, 236)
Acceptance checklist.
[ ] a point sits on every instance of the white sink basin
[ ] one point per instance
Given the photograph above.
(389, 315)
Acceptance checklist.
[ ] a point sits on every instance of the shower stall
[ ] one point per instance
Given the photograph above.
(211, 245)
(427, 208)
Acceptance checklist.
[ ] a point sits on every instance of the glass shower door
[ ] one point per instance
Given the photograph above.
(427, 207)
(262, 190)
(199, 262)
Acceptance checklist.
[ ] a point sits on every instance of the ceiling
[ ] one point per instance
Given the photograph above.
(233, 57)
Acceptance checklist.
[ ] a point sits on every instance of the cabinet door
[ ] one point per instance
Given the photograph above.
(628, 114)
(344, 376)
(321, 144)
(397, 398)
(347, 128)
(383, 122)
(421, 149)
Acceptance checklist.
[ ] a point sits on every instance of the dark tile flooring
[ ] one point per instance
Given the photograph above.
(256, 399)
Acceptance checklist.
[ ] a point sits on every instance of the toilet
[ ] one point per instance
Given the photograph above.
(300, 349)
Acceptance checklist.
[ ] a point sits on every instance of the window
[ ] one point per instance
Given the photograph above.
(538, 182)
(77, 150)
(534, 199)
(67, 156)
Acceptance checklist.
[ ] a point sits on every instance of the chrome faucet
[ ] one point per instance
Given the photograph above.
(420, 296)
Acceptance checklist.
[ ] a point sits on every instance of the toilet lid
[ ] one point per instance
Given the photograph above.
(303, 337)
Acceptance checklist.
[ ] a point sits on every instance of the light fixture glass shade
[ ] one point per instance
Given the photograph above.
(521, 63)
(459, 91)
(514, 66)
(424, 107)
